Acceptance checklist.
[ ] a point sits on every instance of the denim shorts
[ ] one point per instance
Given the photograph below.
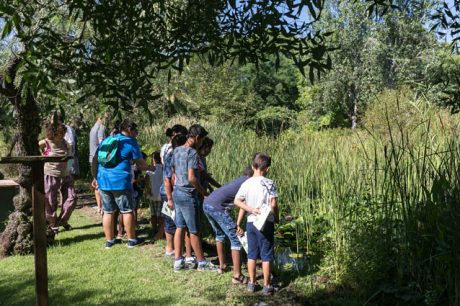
(187, 211)
(223, 225)
(113, 200)
(170, 226)
(260, 243)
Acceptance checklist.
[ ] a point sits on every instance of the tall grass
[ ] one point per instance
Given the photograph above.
(379, 206)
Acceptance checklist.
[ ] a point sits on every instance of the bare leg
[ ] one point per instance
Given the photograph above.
(266, 271)
(220, 254)
(107, 225)
(178, 242)
(161, 229)
(236, 258)
(98, 199)
(188, 246)
(252, 270)
(129, 222)
(169, 243)
(195, 240)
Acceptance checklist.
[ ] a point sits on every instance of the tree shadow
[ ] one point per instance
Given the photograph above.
(77, 239)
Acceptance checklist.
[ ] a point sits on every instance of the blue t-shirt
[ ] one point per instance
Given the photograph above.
(184, 158)
(119, 177)
(222, 198)
(167, 172)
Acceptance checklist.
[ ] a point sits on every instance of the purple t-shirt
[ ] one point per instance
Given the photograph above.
(222, 198)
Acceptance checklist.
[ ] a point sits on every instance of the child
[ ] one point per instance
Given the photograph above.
(205, 178)
(57, 177)
(252, 195)
(217, 209)
(171, 132)
(185, 197)
(153, 184)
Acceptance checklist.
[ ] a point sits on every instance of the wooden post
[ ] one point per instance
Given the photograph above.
(39, 221)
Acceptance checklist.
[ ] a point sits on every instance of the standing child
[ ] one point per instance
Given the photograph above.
(205, 178)
(253, 194)
(185, 198)
(153, 183)
(57, 177)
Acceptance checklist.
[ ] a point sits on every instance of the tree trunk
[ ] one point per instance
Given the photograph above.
(17, 236)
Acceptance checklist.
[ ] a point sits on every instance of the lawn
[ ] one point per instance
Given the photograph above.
(82, 272)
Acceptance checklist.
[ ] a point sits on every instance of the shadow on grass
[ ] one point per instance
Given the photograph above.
(77, 239)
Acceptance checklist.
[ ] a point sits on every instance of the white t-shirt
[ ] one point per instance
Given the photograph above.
(257, 191)
(165, 149)
(156, 179)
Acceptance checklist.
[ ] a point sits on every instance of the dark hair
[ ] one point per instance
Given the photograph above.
(157, 157)
(144, 155)
(261, 161)
(176, 129)
(196, 130)
(248, 171)
(52, 129)
(127, 125)
(207, 143)
(178, 140)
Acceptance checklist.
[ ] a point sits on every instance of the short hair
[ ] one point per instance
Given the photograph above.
(248, 171)
(127, 125)
(261, 161)
(207, 143)
(176, 129)
(178, 140)
(196, 130)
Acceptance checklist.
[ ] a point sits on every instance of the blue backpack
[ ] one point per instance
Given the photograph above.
(107, 155)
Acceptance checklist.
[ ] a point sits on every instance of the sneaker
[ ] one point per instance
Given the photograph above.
(132, 243)
(207, 266)
(109, 244)
(178, 265)
(268, 290)
(190, 263)
(251, 287)
(171, 254)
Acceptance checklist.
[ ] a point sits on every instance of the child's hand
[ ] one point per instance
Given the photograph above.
(255, 211)
(170, 204)
(239, 231)
(94, 184)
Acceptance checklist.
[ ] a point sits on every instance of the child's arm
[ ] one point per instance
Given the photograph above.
(211, 180)
(195, 183)
(168, 190)
(239, 230)
(274, 207)
(242, 204)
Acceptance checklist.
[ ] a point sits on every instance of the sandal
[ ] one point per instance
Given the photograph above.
(241, 280)
(223, 270)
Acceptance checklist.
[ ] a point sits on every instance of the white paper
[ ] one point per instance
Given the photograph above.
(262, 216)
(244, 242)
(168, 211)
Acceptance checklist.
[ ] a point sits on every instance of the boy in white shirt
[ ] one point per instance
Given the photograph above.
(153, 184)
(256, 192)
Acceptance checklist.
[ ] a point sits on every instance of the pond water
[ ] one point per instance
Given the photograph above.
(290, 259)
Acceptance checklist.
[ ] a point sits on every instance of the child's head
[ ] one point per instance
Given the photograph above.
(206, 147)
(175, 130)
(178, 140)
(248, 171)
(156, 157)
(129, 128)
(196, 133)
(55, 131)
(261, 162)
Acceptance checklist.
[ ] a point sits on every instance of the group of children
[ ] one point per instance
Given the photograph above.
(179, 188)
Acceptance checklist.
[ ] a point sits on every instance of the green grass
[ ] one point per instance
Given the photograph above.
(82, 272)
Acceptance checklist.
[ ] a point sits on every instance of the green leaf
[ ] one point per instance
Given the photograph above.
(8, 26)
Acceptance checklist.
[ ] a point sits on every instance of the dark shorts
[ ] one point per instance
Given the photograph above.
(186, 206)
(260, 243)
(170, 225)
